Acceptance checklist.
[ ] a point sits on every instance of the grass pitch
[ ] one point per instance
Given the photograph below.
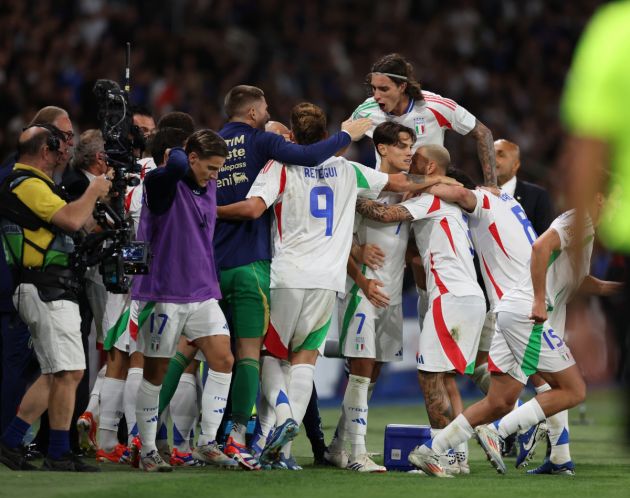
(602, 467)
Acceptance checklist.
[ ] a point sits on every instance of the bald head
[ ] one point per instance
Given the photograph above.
(430, 160)
(277, 127)
(508, 157)
(36, 148)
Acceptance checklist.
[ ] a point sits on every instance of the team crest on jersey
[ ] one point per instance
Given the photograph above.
(418, 124)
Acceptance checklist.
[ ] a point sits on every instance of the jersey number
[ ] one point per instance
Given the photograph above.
(327, 211)
(526, 224)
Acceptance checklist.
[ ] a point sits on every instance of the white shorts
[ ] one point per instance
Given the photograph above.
(161, 324)
(369, 332)
(450, 334)
(487, 332)
(299, 320)
(55, 328)
(533, 347)
(501, 359)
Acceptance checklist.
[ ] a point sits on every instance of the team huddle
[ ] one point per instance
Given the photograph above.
(262, 239)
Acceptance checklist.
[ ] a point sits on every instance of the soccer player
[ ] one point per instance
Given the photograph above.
(178, 221)
(453, 322)
(314, 214)
(398, 96)
(529, 341)
(243, 248)
(370, 315)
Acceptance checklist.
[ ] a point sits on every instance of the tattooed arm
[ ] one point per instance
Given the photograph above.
(485, 151)
(382, 212)
(399, 182)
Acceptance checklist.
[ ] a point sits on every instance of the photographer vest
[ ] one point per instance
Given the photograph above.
(54, 278)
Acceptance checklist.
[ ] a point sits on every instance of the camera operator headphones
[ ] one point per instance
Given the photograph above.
(55, 135)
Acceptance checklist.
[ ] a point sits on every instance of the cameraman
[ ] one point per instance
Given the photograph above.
(35, 229)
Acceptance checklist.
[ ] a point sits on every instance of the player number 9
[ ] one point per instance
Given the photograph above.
(327, 211)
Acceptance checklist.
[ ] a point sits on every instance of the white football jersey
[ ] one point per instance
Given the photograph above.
(314, 217)
(502, 236)
(392, 238)
(562, 279)
(441, 233)
(429, 118)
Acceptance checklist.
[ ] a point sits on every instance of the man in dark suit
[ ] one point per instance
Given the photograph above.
(534, 199)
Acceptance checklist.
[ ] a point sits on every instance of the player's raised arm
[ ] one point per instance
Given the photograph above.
(382, 212)
(541, 252)
(456, 195)
(485, 151)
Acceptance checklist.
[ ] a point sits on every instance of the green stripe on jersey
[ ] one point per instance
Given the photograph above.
(532, 352)
(361, 180)
(366, 105)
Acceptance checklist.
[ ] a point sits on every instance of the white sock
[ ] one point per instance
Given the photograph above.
(558, 427)
(339, 439)
(542, 388)
(184, 411)
(111, 412)
(355, 407)
(461, 451)
(266, 417)
(95, 394)
(147, 414)
(455, 433)
(130, 396)
(523, 417)
(481, 378)
(275, 388)
(300, 389)
(213, 402)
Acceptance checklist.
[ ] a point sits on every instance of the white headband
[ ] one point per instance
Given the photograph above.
(392, 75)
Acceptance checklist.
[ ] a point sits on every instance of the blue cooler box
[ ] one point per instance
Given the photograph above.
(400, 439)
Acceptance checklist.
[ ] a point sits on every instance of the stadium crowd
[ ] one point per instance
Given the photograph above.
(225, 214)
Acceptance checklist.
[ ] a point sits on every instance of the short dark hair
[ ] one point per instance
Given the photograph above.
(396, 64)
(141, 110)
(239, 97)
(388, 133)
(176, 119)
(165, 138)
(308, 123)
(206, 143)
(461, 177)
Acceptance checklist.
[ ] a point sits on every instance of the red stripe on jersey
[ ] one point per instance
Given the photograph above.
(486, 202)
(438, 281)
(447, 230)
(435, 205)
(267, 166)
(442, 121)
(492, 367)
(278, 207)
(495, 235)
(449, 345)
(274, 345)
(497, 289)
(128, 199)
(445, 102)
(133, 330)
